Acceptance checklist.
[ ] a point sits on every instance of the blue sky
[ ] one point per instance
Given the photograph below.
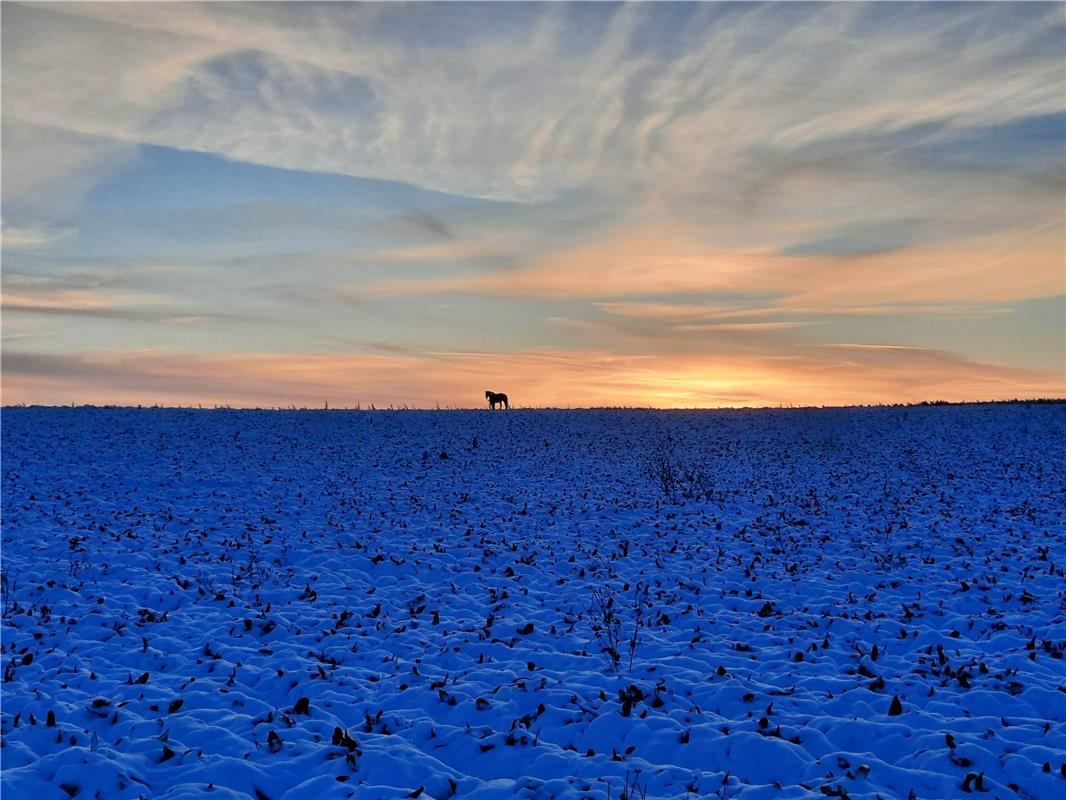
(653, 204)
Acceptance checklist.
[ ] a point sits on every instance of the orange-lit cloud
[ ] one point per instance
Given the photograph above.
(1011, 265)
(91, 297)
(665, 259)
(74, 301)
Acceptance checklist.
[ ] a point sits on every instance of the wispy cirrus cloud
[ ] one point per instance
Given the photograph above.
(682, 312)
(746, 327)
(1011, 264)
(30, 237)
(557, 97)
(75, 293)
(96, 296)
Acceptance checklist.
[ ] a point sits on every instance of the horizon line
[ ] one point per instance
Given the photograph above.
(371, 407)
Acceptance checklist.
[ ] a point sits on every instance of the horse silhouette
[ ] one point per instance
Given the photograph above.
(496, 398)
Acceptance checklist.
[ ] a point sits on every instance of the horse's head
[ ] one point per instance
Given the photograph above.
(488, 394)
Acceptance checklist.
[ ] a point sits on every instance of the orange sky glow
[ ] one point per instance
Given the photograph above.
(266, 205)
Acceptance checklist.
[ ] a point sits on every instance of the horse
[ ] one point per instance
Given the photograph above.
(496, 398)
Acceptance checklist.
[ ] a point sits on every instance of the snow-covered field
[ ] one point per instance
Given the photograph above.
(844, 603)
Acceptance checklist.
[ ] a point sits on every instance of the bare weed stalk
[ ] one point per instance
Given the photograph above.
(609, 629)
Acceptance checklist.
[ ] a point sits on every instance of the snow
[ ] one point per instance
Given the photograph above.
(250, 604)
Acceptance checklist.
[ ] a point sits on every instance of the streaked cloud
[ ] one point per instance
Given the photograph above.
(750, 327)
(556, 98)
(95, 296)
(1011, 264)
(15, 237)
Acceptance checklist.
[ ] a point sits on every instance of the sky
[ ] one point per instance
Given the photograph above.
(670, 205)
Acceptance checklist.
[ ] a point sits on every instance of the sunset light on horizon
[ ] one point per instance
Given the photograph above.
(674, 205)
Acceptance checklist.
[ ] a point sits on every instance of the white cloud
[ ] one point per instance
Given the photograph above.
(49, 170)
(527, 112)
(30, 237)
